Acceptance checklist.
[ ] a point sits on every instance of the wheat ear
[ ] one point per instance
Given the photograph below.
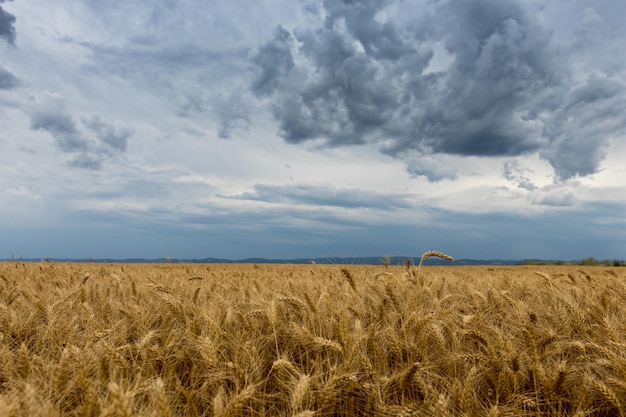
(431, 253)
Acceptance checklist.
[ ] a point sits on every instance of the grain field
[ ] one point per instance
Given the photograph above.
(311, 340)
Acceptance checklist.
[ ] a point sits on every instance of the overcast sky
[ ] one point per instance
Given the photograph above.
(284, 129)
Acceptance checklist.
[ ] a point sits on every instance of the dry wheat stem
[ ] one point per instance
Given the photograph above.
(432, 253)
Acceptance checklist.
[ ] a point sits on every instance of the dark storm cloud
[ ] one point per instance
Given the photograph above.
(579, 128)
(337, 91)
(508, 89)
(274, 61)
(8, 80)
(88, 143)
(7, 25)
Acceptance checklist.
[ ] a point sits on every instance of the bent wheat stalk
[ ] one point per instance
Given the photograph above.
(431, 253)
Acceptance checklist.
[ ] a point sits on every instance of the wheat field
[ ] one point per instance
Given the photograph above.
(87, 339)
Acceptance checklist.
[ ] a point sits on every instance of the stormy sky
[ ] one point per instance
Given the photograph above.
(286, 129)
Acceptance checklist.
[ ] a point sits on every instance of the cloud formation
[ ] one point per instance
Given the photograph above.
(512, 171)
(89, 142)
(8, 81)
(309, 195)
(110, 129)
(509, 88)
(7, 25)
(425, 165)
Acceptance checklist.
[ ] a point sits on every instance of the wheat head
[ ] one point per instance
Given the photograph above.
(432, 253)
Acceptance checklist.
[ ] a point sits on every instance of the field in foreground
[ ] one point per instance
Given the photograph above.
(311, 340)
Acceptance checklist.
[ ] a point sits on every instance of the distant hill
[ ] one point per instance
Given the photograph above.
(368, 260)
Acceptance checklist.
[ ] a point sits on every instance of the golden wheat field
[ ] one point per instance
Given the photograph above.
(311, 340)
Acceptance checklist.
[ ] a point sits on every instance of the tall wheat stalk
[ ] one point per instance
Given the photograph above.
(432, 253)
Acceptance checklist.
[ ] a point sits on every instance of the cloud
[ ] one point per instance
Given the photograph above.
(555, 195)
(51, 116)
(325, 196)
(509, 89)
(196, 78)
(557, 200)
(579, 128)
(8, 81)
(115, 137)
(89, 143)
(427, 166)
(232, 111)
(512, 171)
(7, 25)
(273, 61)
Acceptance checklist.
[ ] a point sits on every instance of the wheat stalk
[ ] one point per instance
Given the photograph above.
(162, 406)
(348, 276)
(237, 404)
(299, 392)
(606, 393)
(121, 401)
(432, 253)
